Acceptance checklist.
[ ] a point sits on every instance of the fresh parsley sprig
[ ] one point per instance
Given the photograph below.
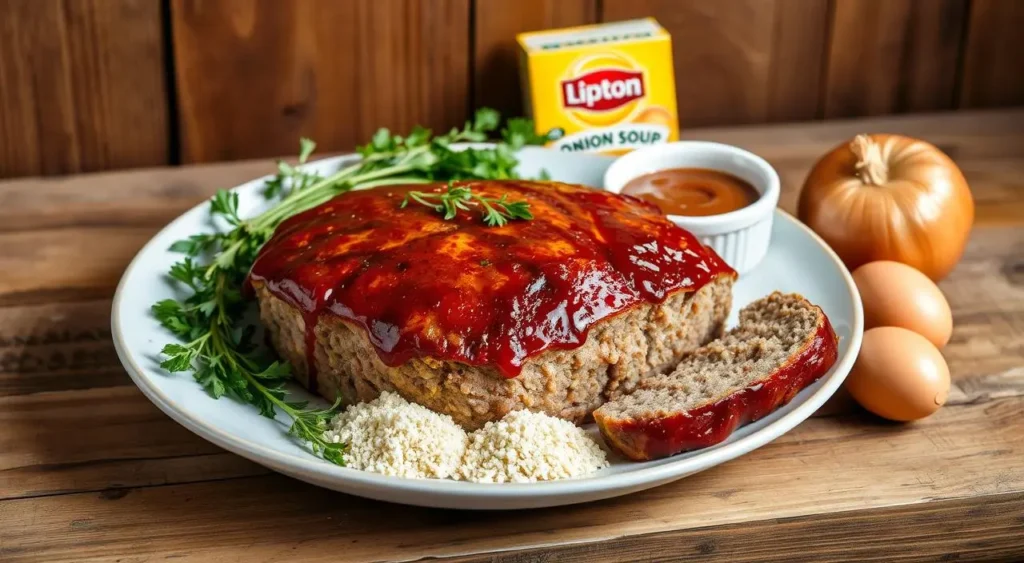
(216, 343)
(496, 211)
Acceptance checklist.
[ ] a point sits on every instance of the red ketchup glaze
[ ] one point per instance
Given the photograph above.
(711, 424)
(458, 290)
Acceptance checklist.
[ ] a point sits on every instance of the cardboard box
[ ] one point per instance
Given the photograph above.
(606, 88)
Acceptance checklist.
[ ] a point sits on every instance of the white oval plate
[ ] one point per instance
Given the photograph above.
(798, 261)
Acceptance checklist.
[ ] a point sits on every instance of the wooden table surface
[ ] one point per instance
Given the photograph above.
(90, 470)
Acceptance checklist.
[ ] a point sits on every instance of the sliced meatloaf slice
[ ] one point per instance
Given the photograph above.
(782, 344)
(569, 384)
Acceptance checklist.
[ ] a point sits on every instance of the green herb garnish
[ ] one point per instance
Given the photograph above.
(216, 344)
(496, 211)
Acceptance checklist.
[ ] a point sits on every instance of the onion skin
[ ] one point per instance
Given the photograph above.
(889, 197)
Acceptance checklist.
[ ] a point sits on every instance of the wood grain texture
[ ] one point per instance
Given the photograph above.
(255, 75)
(86, 201)
(892, 56)
(748, 61)
(66, 264)
(824, 468)
(60, 453)
(992, 67)
(798, 51)
(495, 52)
(921, 535)
(54, 347)
(85, 83)
(82, 86)
(91, 471)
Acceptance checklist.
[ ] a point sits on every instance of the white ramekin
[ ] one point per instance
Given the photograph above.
(740, 237)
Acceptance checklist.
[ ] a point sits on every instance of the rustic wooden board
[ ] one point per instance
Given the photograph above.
(253, 76)
(924, 534)
(828, 468)
(992, 55)
(91, 471)
(82, 86)
(495, 52)
(745, 61)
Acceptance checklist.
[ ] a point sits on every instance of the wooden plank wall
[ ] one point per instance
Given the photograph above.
(82, 86)
(102, 84)
(255, 75)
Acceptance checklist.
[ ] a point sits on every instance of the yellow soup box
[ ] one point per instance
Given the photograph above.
(606, 88)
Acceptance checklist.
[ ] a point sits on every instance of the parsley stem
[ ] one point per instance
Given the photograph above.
(401, 180)
(298, 201)
(487, 206)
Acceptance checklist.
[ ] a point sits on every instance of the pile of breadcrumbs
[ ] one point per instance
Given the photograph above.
(395, 437)
(392, 436)
(527, 446)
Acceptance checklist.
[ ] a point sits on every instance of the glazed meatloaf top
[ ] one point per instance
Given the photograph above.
(455, 289)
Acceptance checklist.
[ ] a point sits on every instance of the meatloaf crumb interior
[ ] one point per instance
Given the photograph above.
(569, 384)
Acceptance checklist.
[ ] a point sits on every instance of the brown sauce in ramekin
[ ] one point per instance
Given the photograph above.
(694, 192)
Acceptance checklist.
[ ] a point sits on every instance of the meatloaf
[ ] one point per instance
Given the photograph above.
(558, 313)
